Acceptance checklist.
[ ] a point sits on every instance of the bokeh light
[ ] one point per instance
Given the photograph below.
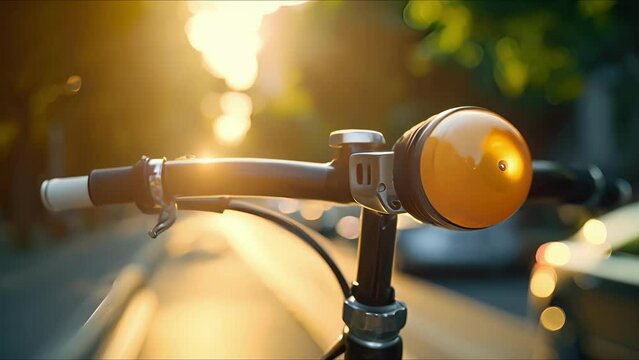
(543, 281)
(348, 227)
(552, 318)
(312, 210)
(288, 206)
(236, 103)
(231, 127)
(554, 253)
(595, 232)
(227, 34)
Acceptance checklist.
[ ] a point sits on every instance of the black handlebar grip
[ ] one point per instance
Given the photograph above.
(112, 186)
(567, 184)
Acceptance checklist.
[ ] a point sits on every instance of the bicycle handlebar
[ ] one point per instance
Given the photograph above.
(464, 168)
(552, 181)
(255, 177)
(199, 177)
(101, 187)
(113, 185)
(577, 184)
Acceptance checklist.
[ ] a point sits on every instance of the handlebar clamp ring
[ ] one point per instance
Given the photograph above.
(374, 324)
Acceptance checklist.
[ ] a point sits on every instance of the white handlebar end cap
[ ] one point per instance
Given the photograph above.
(66, 193)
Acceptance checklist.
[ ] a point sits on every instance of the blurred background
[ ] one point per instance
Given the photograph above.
(98, 84)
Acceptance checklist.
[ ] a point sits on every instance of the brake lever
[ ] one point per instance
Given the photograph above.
(166, 219)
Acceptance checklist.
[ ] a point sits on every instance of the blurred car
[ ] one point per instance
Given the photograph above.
(430, 248)
(584, 291)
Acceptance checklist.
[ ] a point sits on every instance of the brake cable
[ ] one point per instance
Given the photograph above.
(224, 203)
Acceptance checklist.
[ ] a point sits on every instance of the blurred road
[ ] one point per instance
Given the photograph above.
(48, 293)
(211, 304)
(236, 287)
(230, 286)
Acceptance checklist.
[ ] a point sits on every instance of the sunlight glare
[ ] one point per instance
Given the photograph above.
(227, 33)
(236, 103)
(231, 128)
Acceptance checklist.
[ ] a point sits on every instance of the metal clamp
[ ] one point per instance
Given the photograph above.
(371, 181)
(374, 325)
(168, 210)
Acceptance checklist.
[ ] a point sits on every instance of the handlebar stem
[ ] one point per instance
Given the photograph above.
(373, 317)
(375, 259)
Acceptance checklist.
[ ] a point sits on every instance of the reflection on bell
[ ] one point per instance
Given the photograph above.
(475, 168)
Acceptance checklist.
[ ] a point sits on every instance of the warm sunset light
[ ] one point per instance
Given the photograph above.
(235, 121)
(327, 179)
(231, 129)
(227, 34)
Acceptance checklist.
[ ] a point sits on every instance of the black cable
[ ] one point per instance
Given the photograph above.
(297, 229)
(337, 349)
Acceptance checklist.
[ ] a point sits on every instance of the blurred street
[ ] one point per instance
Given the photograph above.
(278, 295)
(48, 293)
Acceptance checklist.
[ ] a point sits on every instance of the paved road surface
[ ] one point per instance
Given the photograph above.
(47, 294)
(262, 293)
(227, 280)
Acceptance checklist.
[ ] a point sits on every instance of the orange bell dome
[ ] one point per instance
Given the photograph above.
(470, 169)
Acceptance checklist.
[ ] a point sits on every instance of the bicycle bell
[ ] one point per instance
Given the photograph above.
(464, 168)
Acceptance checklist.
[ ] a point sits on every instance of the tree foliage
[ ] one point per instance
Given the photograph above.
(533, 48)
